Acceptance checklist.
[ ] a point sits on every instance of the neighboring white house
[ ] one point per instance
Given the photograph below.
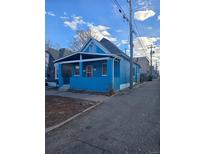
(144, 64)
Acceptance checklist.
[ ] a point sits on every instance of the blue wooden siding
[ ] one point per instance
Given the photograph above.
(96, 48)
(97, 82)
(124, 71)
(97, 68)
(116, 83)
(99, 50)
(117, 69)
(117, 75)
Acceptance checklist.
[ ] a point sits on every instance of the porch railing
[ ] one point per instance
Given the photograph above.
(99, 84)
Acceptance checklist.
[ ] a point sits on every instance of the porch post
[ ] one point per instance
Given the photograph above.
(81, 66)
(60, 78)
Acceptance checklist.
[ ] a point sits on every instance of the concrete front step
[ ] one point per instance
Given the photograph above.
(64, 87)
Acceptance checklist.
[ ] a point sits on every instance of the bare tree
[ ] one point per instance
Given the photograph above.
(57, 46)
(48, 44)
(81, 37)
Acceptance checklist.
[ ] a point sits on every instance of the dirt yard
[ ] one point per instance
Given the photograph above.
(58, 109)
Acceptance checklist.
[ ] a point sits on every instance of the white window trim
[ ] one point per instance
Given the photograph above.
(91, 70)
(102, 69)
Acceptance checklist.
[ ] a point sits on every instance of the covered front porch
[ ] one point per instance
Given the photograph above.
(89, 72)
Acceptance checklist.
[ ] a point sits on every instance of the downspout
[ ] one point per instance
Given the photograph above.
(113, 74)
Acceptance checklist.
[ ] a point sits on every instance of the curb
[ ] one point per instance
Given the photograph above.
(134, 87)
(139, 85)
(71, 118)
(80, 113)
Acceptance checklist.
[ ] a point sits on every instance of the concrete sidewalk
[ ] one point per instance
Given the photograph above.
(85, 96)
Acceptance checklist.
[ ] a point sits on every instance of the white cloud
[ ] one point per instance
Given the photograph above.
(118, 44)
(158, 17)
(64, 17)
(147, 40)
(141, 2)
(50, 13)
(99, 27)
(112, 39)
(119, 30)
(124, 41)
(141, 44)
(64, 13)
(143, 15)
(149, 27)
(77, 20)
(101, 31)
(106, 33)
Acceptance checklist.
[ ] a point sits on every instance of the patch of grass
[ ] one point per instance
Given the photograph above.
(58, 109)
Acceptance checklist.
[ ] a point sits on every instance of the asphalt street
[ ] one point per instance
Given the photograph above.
(128, 123)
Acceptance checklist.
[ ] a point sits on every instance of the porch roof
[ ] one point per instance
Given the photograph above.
(75, 57)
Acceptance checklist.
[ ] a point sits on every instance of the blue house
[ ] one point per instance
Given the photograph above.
(100, 66)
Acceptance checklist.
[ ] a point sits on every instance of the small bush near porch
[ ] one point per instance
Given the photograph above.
(59, 109)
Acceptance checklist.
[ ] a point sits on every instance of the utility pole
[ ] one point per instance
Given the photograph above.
(156, 69)
(151, 47)
(131, 46)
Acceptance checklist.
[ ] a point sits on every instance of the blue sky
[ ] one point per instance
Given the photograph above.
(64, 17)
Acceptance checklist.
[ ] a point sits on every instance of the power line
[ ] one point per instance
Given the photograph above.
(122, 12)
(141, 42)
(124, 15)
(138, 33)
(151, 52)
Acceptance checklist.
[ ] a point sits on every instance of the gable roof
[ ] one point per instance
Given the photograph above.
(56, 54)
(144, 58)
(63, 52)
(53, 52)
(112, 48)
(97, 43)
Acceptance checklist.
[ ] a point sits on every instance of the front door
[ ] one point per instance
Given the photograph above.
(66, 72)
(89, 71)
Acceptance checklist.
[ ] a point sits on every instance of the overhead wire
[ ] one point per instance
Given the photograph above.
(136, 31)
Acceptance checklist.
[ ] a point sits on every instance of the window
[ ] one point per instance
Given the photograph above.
(89, 71)
(77, 70)
(104, 69)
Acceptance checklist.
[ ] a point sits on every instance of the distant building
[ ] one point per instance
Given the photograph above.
(144, 67)
(155, 72)
(51, 55)
(144, 64)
